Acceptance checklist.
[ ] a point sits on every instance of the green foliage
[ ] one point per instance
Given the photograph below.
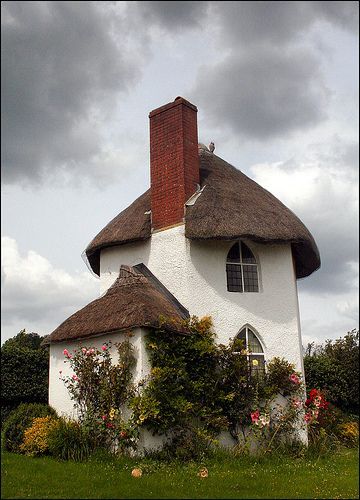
(197, 389)
(25, 340)
(69, 440)
(21, 419)
(334, 368)
(24, 372)
(178, 398)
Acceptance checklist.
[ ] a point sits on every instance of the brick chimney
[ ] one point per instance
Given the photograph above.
(174, 161)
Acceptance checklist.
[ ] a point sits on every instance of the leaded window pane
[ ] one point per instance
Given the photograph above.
(242, 336)
(234, 253)
(233, 275)
(254, 344)
(250, 278)
(247, 255)
(257, 365)
(241, 269)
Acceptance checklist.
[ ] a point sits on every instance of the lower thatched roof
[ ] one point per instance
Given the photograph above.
(134, 300)
(231, 206)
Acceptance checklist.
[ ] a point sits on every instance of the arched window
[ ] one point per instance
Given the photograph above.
(253, 350)
(241, 269)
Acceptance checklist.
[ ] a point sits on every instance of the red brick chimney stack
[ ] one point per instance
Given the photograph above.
(174, 161)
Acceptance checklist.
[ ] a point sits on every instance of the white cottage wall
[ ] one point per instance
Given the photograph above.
(195, 272)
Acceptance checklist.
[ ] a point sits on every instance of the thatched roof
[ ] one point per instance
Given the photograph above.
(231, 206)
(132, 224)
(134, 300)
(234, 206)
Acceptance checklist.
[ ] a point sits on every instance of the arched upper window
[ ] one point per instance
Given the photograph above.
(252, 349)
(241, 269)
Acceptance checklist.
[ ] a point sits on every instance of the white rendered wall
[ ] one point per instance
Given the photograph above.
(194, 271)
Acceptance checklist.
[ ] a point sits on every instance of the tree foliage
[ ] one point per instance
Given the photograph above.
(334, 368)
(24, 371)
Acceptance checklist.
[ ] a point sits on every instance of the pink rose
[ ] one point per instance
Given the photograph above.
(307, 417)
(83, 350)
(74, 377)
(294, 378)
(103, 347)
(104, 417)
(255, 416)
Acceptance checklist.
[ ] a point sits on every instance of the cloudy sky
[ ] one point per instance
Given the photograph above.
(276, 85)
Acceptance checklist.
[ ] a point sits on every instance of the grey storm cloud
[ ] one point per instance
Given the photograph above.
(61, 71)
(264, 93)
(267, 85)
(343, 13)
(280, 22)
(251, 22)
(173, 15)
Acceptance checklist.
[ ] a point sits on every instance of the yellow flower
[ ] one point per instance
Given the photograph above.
(255, 362)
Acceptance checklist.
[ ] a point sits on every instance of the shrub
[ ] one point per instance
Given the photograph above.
(24, 372)
(197, 388)
(69, 440)
(348, 432)
(21, 419)
(334, 368)
(36, 437)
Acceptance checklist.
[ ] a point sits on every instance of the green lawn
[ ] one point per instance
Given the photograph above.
(335, 476)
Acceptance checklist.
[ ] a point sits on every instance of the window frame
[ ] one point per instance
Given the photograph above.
(249, 354)
(241, 263)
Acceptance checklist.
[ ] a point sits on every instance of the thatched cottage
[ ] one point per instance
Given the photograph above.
(205, 239)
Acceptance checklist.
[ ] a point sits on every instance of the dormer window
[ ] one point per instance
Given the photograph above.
(241, 269)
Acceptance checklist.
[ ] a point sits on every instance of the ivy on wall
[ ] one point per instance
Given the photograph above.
(196, 389)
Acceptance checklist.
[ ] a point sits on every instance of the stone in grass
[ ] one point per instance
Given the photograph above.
(203, 472)
(136, 473)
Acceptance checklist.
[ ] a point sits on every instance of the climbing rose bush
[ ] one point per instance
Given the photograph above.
(101, 389)
(315, 406)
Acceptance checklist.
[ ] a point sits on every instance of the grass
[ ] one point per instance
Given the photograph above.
(334, 476)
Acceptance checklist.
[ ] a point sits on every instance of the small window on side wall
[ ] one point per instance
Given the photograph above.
(241, 269)
(253, 350)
